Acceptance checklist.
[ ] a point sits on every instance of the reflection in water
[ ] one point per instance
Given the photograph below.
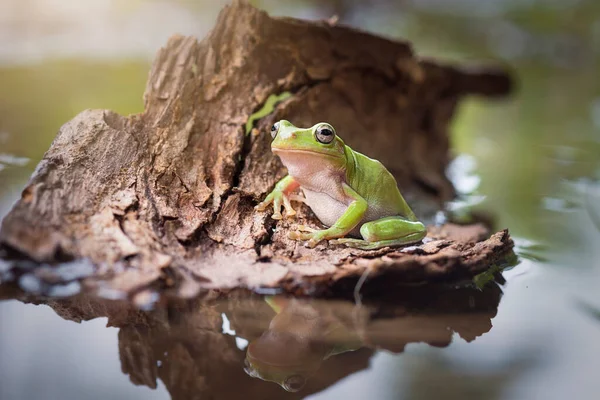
(304, 345)
(8, 159)
(299, 338)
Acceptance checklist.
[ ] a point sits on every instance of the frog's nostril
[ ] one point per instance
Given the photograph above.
(286, 134)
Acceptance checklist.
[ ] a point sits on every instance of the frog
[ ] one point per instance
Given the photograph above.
(355, 197)
(300, 337)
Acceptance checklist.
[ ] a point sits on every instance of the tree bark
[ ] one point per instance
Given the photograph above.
(164, 199)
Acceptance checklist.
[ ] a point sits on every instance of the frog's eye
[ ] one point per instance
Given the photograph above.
(325, 133)
(294, 383)
(274, 129)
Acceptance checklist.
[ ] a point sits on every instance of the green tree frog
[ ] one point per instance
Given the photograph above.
(350, 193)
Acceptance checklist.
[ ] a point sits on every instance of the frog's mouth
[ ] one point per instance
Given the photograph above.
(311, 152)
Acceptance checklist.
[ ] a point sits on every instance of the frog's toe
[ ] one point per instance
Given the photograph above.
(294, 235)
(277, 215)
(304, 228)
(290, 213)
(312, 243)
(289, 210)
(262, 206)
(298, 235)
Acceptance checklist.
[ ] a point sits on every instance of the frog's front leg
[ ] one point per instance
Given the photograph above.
(348, 221)
(387, 232)
(281, 194)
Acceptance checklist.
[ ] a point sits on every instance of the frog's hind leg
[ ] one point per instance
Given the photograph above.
(386, 232)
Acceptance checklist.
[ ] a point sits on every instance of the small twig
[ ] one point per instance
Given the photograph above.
(359, 285)
(358, 327)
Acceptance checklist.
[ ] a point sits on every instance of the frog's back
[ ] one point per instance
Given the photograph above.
(377, 185)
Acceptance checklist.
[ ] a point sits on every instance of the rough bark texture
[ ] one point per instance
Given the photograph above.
(182, 343)
(165, 198)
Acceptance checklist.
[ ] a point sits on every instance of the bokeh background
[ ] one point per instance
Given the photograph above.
(533, 161)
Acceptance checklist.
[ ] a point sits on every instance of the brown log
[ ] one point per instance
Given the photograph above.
(164, 199)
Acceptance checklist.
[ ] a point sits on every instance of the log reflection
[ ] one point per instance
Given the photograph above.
(219, 347)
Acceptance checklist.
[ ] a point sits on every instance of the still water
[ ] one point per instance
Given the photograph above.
(532, 161)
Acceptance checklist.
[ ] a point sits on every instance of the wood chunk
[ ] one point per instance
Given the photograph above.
(165, 199)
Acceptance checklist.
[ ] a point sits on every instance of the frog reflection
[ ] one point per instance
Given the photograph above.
(299, 338)
(305, 333)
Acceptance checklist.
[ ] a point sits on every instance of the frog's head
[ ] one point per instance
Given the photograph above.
(318, 144)
(282, 358)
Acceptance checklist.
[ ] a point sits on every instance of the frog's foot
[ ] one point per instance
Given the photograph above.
(349, 242)
(366, 245)
(278, 198)
(311, 235)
